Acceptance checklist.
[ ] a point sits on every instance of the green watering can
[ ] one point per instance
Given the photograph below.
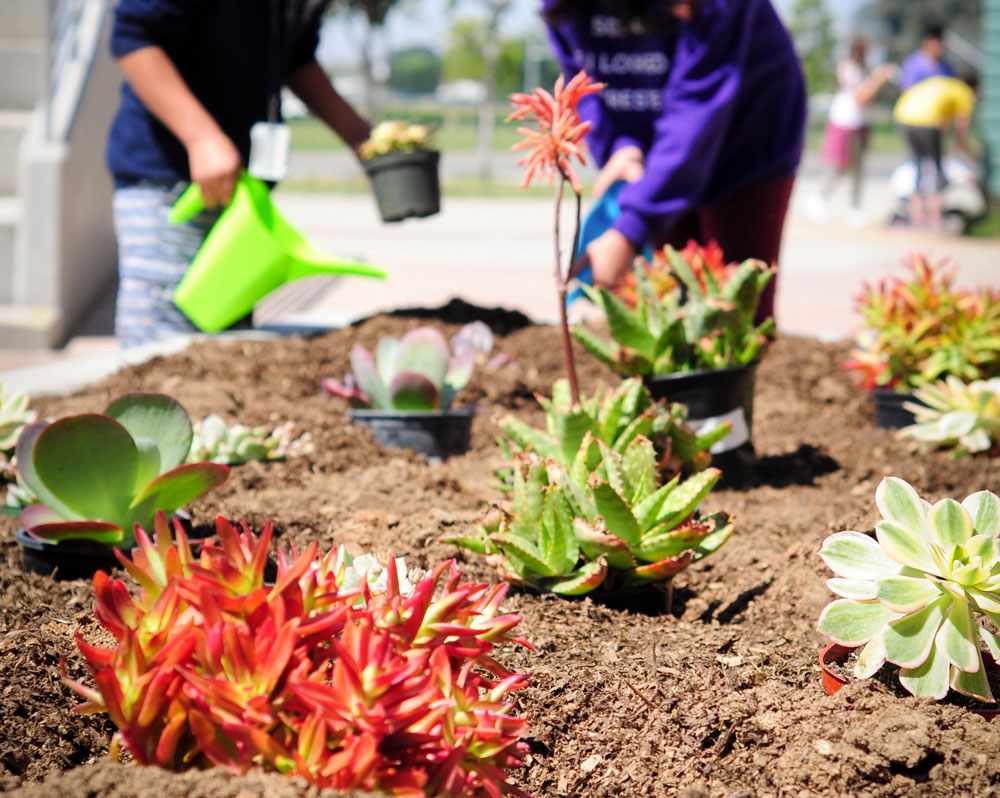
(249, 252)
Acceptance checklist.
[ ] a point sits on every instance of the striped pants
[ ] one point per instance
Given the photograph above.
(153, 256)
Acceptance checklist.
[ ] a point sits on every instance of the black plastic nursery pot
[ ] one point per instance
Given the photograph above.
(834, 653)
(713, 396)
(405, 184)
(889, 410)
(438, 434)
(67, 560)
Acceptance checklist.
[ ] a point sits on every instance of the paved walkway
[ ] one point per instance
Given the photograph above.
(497, 252)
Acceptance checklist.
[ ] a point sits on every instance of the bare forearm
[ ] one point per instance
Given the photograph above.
(313, 87)
(155, 79)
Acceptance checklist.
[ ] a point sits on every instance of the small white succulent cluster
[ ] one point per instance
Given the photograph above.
(14, 416)
(216, 442)
(916, 594)
(962, 417)
(374, 569)
(394, 135)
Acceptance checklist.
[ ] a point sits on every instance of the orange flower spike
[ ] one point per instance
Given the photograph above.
(559, 132)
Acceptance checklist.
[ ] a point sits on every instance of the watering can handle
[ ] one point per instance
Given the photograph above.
(188, 205)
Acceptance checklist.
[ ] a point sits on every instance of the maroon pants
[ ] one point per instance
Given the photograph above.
(746, 224)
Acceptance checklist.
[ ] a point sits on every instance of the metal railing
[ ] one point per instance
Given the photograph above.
(73, 32)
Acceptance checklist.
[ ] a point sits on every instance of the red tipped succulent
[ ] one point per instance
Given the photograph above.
(346, 688)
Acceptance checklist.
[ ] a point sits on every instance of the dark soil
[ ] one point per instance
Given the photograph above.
(719, 699)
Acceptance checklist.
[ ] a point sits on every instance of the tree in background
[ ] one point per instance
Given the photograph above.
(373, 14)
(416, 70)
(484, 37)
(811, 26)
(900, 25)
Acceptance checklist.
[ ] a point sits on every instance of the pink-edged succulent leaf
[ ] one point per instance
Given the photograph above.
(410, 390)
(583, 580)
(664, 569)
(595, 541)
(171, 491)
(157, 418)
(425, 351)
(459, 372)
(24, 452)
(385, 357)
(346, 390)
(38, 514)
(89, 462)
(59, 531)
(367, 378)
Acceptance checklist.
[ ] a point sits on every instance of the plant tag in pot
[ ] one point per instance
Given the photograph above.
(738, 434)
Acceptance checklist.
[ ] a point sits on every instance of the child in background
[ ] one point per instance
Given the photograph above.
(198, 76)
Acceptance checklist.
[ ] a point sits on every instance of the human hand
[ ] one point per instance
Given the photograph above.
(215, 166)
(626, 164)
(610, 257)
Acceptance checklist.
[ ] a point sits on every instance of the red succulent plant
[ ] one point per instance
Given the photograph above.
(345, 688)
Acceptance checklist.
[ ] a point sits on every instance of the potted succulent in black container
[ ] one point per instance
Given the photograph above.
(403, 171)
(404, 393)
(685, 324)
(97, 475)
(921, 329)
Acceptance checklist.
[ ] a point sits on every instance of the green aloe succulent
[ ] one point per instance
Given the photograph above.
(963, 417)
(571, 530)
(14, 416)
(707, 321)
(916, 594)
(98, 475)
(616, 418)
(415, 372)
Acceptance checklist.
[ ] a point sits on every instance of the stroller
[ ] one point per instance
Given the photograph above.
(964, 201)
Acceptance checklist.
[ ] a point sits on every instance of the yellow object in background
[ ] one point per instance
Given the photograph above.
(935, 102)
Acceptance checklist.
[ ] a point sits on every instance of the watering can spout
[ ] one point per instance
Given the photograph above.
(251, 251)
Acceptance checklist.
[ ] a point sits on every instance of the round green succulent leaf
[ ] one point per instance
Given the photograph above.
(909, 640)
(930, 679)
(904, 594)
(367, 378)
(89, 462)
(950, 523)
(158, 418)
(984, 507)
(899, 502)
(855, 556)
(853, 623)
(172, 490)
(410, 390)
(857, 589)
(958, 640)
(425, 351)
(906, 548)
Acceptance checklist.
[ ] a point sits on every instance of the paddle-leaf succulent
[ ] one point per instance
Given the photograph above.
(416, 372)
(348, 688)
(917, 595)
(97, 475)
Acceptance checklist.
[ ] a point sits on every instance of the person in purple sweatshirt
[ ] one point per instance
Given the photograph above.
(198, 76)
(703, 116)
(928, 61)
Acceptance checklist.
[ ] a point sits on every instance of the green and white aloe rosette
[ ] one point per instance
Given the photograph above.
(917, 593)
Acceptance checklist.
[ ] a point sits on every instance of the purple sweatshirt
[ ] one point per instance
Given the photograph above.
(716, 104)
(918, 66)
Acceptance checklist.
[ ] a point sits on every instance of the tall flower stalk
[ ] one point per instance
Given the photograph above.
(550, 152)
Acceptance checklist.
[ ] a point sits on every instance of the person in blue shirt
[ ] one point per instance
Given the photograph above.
(928, 61)
(703, 115)
(198, 75)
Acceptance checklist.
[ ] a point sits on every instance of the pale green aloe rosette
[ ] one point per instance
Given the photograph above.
(915, 595)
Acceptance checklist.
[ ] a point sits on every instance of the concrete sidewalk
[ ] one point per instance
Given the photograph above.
(498, 252)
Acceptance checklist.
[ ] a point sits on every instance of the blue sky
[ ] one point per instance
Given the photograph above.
(426, 22)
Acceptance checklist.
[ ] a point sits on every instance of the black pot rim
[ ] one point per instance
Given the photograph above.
(28, 541)
(455, 412)
(885, 390)
(680, 375)
(390, 159)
